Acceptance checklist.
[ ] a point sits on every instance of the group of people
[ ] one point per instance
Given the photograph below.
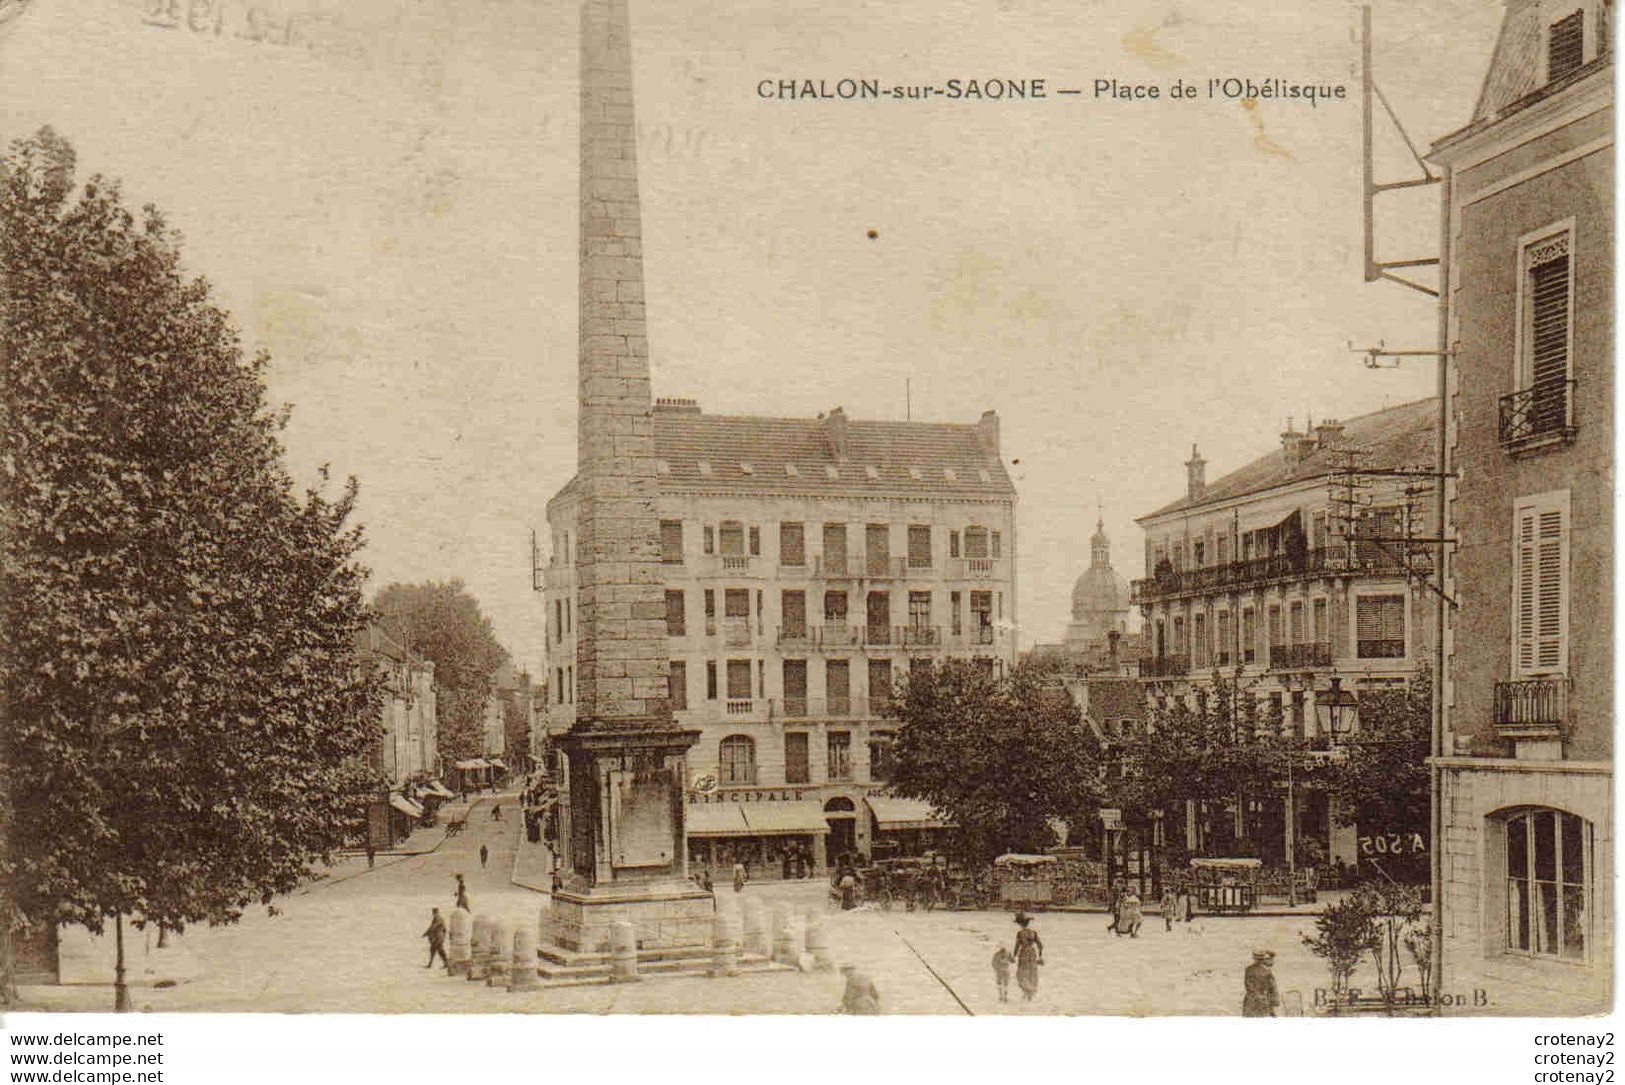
(1127, 911)
(1027, 956)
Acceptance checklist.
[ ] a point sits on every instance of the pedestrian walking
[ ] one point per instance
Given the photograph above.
(485, 855)
(1001, 972)
(1259, 996)
(462, 895)
(1029, 955)
(1184, 906)
(436, 934)
(861, 995)
(496, 812)
(370, 853)
(848, 883)
(739, 877)
(1130, 914)
(706, 883)
(1112, 897)
(1169, 904)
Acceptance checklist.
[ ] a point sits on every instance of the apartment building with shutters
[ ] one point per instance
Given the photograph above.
(808, 564)
(1527, 788)
(1273, 579)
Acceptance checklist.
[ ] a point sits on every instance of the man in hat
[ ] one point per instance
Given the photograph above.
(1259, 997)
(436, 934)
(861, 995)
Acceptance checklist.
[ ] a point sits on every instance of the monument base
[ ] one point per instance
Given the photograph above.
(666, 916)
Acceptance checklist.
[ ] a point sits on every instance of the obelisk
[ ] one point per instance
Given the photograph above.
(624, 858)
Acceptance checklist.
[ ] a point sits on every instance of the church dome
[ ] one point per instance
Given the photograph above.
(1101, 589)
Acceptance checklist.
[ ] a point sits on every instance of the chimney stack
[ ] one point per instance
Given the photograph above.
(1195, 475)
(835, 433)
(988, 428)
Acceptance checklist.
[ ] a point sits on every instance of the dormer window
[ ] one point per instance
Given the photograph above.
(831, 473)
(746, 468)
(1565, 46)
(914, 473)
(871, 474)
(705, 468)
(984, 476)
(662, 467)
(950, 475)
(790, 471)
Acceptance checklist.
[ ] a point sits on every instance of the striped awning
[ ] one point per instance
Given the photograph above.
(715, 819)
(784, 817)
(473, 764)
(405, 805)
(892, 812)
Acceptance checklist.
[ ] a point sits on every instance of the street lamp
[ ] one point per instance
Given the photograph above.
(1337, 708)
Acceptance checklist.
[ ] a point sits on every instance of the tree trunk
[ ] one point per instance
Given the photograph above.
(121, 993)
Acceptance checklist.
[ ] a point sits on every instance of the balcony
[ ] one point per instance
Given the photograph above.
(796, 636)
(1533, 707)
(1380, 649)
(1254, 572)
(877, 636)
(1539, 415)
(740, 706)
(1302, 657)
(919, 636)
(977, 569)
(793, 705)
(728, 565)
(1164, 667)
(835, 567)
(839, 635)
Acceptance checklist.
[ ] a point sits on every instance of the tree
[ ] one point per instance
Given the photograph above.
(187, 709)
(998, 757)
(1381, 783)
(516, 714)
(441, 622)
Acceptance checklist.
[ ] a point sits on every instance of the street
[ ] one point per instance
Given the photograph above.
(352, 944)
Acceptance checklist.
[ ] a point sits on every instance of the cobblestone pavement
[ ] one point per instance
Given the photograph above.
(351, 943)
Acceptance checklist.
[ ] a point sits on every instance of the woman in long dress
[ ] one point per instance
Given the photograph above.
(1029, 955)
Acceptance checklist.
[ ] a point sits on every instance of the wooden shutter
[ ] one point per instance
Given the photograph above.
(1541, 590)
(1565, 46)
(1547, 362)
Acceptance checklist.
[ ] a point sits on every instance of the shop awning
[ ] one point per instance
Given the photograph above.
(714, 819)
(498, 765)
(784, 817)
(473, 764)
(438, 788)
(405, 805)
(892, 812)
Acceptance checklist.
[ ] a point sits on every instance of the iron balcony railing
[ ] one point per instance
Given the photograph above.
(1532, 704)
(1328, 559)
(1544, 410)
(792, 636)
(919, 636)
(1380, 649)
(839, 635)
(1164, 666)
(1297, 657)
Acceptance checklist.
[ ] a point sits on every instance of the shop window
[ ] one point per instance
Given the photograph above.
(738, 759)
(1548, 872)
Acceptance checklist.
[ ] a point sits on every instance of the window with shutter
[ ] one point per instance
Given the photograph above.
(1379, 627)
(676, 617)
(1542, 404)
(1541, 589)
(1565, 46)
(671, 542)
(796, 766)
(677, 683)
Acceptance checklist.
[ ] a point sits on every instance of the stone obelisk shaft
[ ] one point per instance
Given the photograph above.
(621, 660)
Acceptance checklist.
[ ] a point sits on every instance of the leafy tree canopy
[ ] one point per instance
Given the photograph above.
(999, 756)
(187, 709)
(441, 621)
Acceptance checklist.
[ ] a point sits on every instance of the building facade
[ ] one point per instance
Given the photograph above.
(1527, 788)
(807, 565)
(1286, 574)
(406, 755)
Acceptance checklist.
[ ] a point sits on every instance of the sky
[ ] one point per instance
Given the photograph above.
(387, 204)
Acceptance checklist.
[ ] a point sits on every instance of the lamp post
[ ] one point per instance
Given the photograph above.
(1337, 708)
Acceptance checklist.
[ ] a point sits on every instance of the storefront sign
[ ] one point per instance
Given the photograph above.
(1111, 819)
(768, 795)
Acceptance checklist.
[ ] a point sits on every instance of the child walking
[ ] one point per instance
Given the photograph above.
(1001, 972)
